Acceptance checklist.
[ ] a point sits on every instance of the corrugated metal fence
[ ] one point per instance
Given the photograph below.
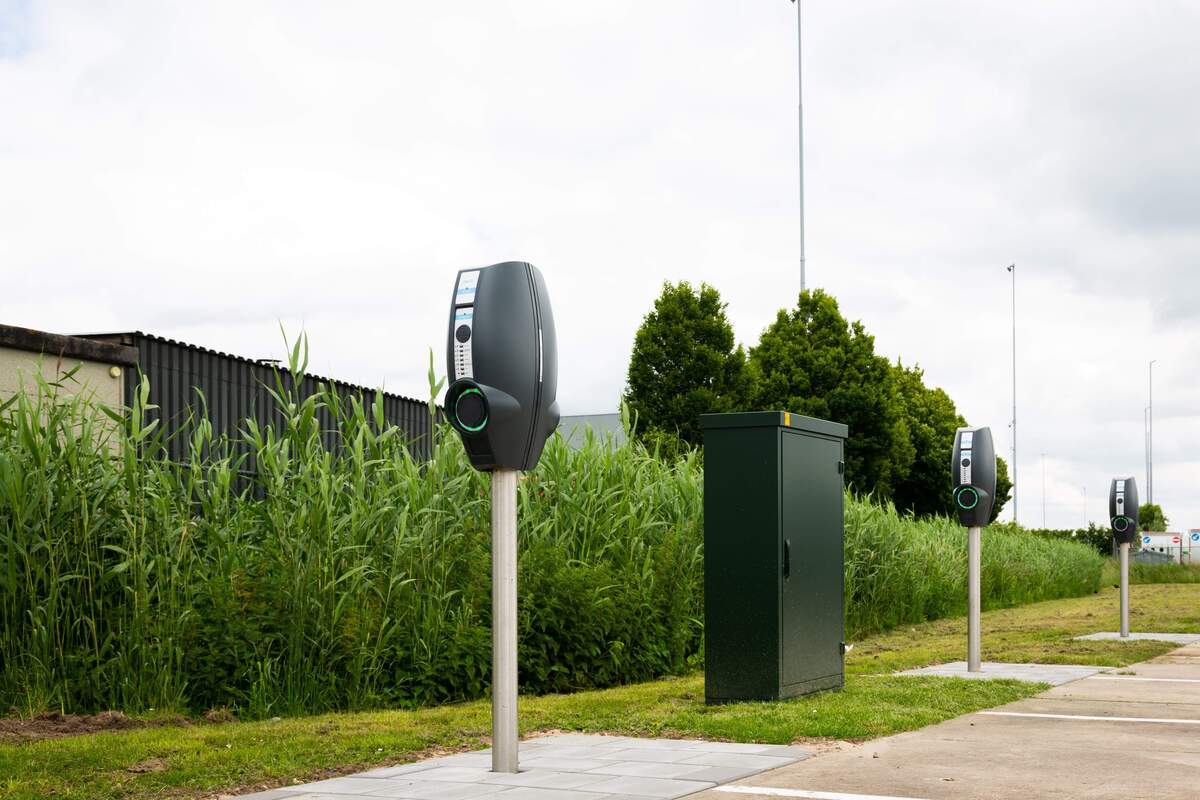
(236, 389)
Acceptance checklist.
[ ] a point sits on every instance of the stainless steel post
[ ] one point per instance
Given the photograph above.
(1150, 445)
(1012, 268)
(974, 536)
(800, 95)
(504, 620)
(1125, 591)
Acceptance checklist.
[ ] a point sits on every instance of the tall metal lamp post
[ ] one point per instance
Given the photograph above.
(800, 95)
(1012, 269)
(1043, 490)
(1146, 441)
(1150, 441)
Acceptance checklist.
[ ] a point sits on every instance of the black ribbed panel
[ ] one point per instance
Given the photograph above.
(235, 389)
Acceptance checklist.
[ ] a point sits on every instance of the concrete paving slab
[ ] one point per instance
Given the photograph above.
(720, 774)
(455, 774)
(1086, 749)
(733, 747)
(1053, 674)
(562, 767)
(667, 744)
(738, 760)
(354, 785)
(438, 790)
(651, 769)
(650, 787)
(539, 793)
(546, 779)
(563, 764)
(395, 772)
(1109, 636)
(481, 758)
(661, 755)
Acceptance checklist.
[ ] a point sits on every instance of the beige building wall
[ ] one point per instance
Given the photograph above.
(101, 365)
(103, 381)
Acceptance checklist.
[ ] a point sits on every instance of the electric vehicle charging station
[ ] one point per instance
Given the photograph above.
(973, 477)
(1123, 516)
(502, 353)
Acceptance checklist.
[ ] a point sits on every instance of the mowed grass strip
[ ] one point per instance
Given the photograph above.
(208, 760)
(204, 761)
(1042, 632)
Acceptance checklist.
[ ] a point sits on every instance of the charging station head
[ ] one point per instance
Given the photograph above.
(502, 356)
(973, 476)
(1123, 509)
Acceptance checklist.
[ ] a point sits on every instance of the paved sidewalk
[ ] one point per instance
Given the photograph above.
(1177, 638)
(1053, 674)
(567, 767)
(1131, 734)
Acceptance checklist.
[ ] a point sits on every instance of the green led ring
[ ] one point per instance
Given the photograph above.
(974, 498)
(1121, 524)
(466, 427)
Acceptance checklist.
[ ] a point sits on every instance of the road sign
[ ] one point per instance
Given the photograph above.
(1145, 540)
(1176, 540)
(1195, 536)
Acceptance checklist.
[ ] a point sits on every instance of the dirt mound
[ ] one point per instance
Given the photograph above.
(52, 724)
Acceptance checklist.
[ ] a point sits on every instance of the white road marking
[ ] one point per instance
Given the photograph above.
(1091, 719)
(770, 791)
(1135, 678)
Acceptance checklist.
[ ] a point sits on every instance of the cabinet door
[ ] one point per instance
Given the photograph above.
(813, 614)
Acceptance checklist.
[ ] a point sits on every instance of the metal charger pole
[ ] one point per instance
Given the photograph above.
(504, 620)
(974, 536)
(1124, 590)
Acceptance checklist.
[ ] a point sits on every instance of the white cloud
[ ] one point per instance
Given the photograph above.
(205, 171)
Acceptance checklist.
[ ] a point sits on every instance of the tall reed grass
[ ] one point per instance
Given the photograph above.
(356, 577)
(901, 570)
(1163, 573)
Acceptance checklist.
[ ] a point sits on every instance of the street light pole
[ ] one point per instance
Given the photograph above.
(1043, 490)
(1012, 268)
(1150, 442)
(800, 108)
(1146, 444)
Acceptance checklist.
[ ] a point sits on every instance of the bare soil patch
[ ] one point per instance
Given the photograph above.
(53, 725)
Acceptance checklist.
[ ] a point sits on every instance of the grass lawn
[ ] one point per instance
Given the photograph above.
(205, 760)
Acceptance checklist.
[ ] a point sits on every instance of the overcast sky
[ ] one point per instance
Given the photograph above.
(207, 171)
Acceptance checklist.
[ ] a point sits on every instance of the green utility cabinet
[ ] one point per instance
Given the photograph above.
(774, 577)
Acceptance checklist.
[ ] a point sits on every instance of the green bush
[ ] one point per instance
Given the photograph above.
(356, 577)
(1098, 537)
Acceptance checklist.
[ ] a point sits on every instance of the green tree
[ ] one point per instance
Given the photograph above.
(1150, 517)
(685, 363)
(812, 361)
(931, 419)
(1004, 487)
